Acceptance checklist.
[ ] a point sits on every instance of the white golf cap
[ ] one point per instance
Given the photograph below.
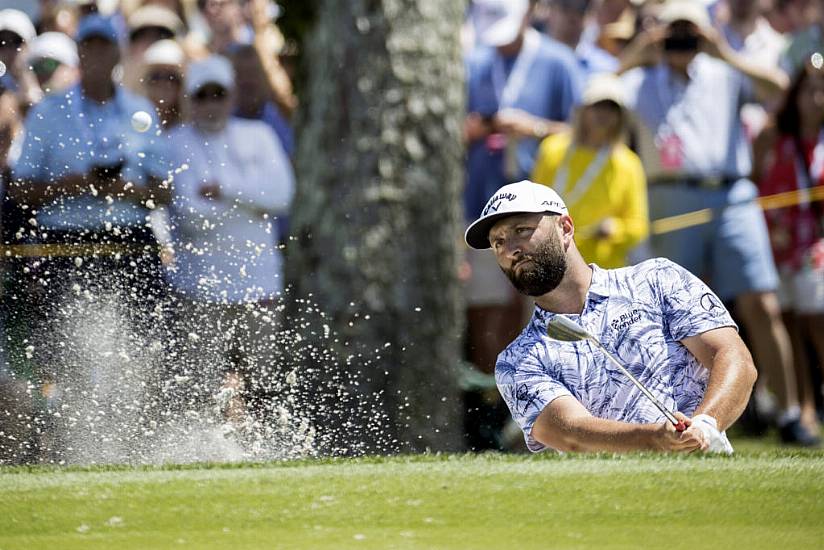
(17, 22)
(53, 45)
(497, 22)
(215, 69)
(155, 16)
(603, 87)
(164, 52)
(685, 10)
(524, 197)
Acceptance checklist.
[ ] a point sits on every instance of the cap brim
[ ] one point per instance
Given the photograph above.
(501, 33)
(477, 234)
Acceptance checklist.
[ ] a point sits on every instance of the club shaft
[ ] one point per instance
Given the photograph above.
(638, 384)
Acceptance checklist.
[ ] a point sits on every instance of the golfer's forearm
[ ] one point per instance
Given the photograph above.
(732, 377)
(595, 434)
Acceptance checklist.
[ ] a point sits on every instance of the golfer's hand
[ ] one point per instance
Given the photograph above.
(716, 442)
(688, 441)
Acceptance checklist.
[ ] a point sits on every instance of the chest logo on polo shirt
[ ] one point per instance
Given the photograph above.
(626, 319)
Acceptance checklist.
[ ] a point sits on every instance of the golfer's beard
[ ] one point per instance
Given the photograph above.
(544, 273)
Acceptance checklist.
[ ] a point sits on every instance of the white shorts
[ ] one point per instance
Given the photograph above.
(487, 285)
(802, 291)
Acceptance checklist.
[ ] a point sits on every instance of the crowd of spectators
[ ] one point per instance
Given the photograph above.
(635, 111)
(136, 177)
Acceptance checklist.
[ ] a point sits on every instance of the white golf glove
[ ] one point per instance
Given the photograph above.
(718, 442)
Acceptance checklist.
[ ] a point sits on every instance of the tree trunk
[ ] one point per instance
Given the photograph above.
(377, 215)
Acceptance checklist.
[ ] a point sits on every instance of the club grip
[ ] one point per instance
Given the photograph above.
(680, 426)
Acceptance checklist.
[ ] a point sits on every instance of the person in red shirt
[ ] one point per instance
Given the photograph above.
(790, 156)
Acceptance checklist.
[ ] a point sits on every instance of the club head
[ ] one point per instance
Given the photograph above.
(561, 328)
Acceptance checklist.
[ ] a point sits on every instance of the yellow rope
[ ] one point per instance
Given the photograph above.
(769, 202)
(78, 250)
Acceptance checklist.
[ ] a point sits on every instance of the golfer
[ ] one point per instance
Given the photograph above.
(665, 325)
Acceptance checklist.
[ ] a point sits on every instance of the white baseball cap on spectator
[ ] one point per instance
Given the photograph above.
(54, 45)
(603, 87)
(153, 16)
(215, 69)
(498, 22)
(164, 52)
(16, 21)
(524, 197)
(685, 10)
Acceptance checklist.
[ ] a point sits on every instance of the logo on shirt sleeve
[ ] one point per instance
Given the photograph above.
(525, 397)
(711, 304)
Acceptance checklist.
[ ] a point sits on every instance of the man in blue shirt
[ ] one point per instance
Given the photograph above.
(687, 91)
(83, 167)
(522, 86)
(668, 329)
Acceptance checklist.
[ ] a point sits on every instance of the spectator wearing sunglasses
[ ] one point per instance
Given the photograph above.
(228, 270)
(53, 59)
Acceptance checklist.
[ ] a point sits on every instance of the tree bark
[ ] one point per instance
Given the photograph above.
(377, 215)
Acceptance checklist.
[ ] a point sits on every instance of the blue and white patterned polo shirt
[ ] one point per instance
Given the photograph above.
(640, 313)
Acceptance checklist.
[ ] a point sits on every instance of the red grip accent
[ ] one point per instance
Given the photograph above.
(680, 426)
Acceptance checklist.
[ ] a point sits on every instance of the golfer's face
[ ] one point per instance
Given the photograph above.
(514, 236)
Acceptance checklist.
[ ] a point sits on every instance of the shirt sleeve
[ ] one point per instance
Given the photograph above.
(688, 305)
(526, 388)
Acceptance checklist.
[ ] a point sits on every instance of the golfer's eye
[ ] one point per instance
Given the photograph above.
(523, 231)
(497, 244)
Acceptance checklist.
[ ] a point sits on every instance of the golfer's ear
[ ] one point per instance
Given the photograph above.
(567, 226)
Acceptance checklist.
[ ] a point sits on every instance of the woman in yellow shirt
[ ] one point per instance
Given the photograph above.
(599, 178)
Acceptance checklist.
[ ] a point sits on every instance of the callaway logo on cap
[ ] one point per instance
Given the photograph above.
(524, 197)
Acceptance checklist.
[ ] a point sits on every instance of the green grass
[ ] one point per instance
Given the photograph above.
(752, 500)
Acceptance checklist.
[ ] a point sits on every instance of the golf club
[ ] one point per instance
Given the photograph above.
(561, 328)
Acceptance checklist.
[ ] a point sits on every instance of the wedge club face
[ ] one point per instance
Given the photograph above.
(561, 328)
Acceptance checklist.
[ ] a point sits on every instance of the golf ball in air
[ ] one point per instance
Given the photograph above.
(2, 68)
(141, 121)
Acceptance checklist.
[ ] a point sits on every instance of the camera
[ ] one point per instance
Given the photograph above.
(682, 38)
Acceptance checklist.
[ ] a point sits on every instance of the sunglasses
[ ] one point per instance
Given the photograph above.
(159, 76)
(45, 66)
(214, 94)
(10, 39)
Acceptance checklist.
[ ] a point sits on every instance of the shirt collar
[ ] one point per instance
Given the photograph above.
(600, 282)
(597, 293)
